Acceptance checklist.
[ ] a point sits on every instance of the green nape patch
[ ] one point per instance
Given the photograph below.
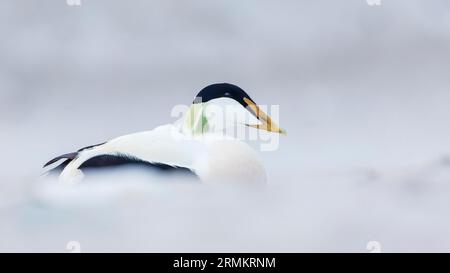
(204, 124)
(196, 121)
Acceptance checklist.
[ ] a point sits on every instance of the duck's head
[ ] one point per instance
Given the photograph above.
(222, 105)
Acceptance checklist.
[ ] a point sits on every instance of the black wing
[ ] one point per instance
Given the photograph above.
(111, 161)
(70, 156)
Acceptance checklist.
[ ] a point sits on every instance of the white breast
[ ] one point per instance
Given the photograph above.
(229, 161)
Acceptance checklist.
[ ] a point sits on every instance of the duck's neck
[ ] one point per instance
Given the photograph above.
(195, 122)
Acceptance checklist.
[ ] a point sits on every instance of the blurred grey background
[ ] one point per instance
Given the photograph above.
(363, 93)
